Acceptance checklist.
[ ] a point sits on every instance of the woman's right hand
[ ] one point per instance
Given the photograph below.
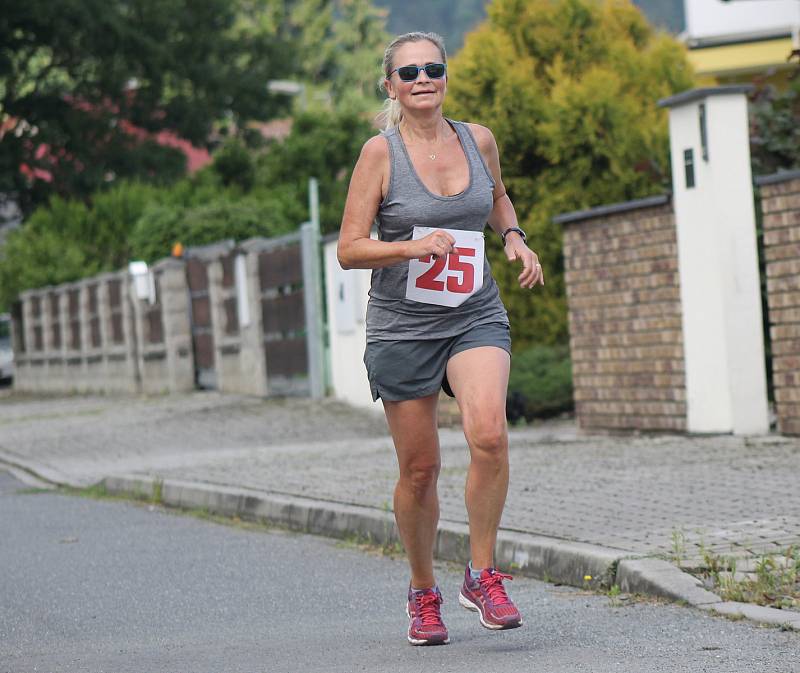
(438, 243)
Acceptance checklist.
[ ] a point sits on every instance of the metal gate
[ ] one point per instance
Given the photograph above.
(205, 375)
(290, 347)
(280, 271)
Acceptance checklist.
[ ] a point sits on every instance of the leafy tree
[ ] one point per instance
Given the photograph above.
(339, 46)
(235, 166)
(359, 36)
(322, 145)
(76, 73)
(569, 88)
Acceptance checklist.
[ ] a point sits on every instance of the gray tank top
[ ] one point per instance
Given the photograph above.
(408, 203)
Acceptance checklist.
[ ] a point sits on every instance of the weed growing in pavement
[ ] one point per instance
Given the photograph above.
(774, 581)
(614, 596)
(737, 617)
(100, 492)
(678, 538)
(158, 492)
(391, 547)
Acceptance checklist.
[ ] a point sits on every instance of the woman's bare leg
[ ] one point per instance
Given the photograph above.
(416, 502)
(479, 379)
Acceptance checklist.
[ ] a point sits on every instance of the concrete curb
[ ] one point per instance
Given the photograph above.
(27, 478)
(656, 577)
(786, 619)
(535, 556)
(36, 470)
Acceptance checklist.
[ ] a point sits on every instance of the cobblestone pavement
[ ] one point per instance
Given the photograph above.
(663, 495)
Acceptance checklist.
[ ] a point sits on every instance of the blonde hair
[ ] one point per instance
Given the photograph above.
(392, 112)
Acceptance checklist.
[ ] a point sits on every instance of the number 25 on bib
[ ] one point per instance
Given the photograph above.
(450, 280)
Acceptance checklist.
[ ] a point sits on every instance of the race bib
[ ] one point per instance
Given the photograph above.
(450, 280)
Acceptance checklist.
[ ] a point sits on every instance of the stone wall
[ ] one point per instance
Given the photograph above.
(623, 293)
(780, 206)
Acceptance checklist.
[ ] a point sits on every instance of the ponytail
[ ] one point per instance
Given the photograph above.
(390, 115)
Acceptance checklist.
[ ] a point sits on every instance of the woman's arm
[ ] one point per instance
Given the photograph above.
(356, 250)
(503, 215)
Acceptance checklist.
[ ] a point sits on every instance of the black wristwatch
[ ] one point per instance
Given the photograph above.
(509, 230)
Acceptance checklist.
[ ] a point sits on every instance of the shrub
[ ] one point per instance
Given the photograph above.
(540, 384)
(775, 127)
(66, 240)
(571, 99)
(35, 259)
(161, 225)
(234, 165)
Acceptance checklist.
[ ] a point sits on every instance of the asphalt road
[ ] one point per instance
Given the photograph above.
(114, 587)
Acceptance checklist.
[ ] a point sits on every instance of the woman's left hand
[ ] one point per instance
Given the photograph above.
(531, 268)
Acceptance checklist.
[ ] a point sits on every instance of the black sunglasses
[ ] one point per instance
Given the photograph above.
(409, 73)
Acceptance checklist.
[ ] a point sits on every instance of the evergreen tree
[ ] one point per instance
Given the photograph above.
(569, 89)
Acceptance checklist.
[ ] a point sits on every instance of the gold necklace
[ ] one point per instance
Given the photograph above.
(432, 156)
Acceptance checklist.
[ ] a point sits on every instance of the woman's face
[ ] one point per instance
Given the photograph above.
(423, 93)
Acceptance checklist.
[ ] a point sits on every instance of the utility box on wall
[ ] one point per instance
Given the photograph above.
(725, 366)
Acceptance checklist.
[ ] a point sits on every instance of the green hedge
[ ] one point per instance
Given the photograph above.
(540, 384)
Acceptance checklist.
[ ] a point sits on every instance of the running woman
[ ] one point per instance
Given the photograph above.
(435, 319)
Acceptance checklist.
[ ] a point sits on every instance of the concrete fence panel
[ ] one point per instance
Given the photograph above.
(97, 335)
(240, 318)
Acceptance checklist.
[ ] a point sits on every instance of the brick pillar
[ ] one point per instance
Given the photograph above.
(780, 205)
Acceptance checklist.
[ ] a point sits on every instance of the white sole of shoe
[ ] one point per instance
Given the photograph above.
(469, 605)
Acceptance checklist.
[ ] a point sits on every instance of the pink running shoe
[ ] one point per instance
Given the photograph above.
(487, 596)
(425, 618)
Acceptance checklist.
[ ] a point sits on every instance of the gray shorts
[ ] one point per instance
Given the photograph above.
(407, 370)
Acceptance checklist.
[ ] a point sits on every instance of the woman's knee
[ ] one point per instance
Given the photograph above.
(420, 476)
(487, 436)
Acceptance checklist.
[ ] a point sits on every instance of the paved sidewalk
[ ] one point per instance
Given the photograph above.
(641, 496)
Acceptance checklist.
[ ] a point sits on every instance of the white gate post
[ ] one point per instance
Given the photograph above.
(718, 261)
